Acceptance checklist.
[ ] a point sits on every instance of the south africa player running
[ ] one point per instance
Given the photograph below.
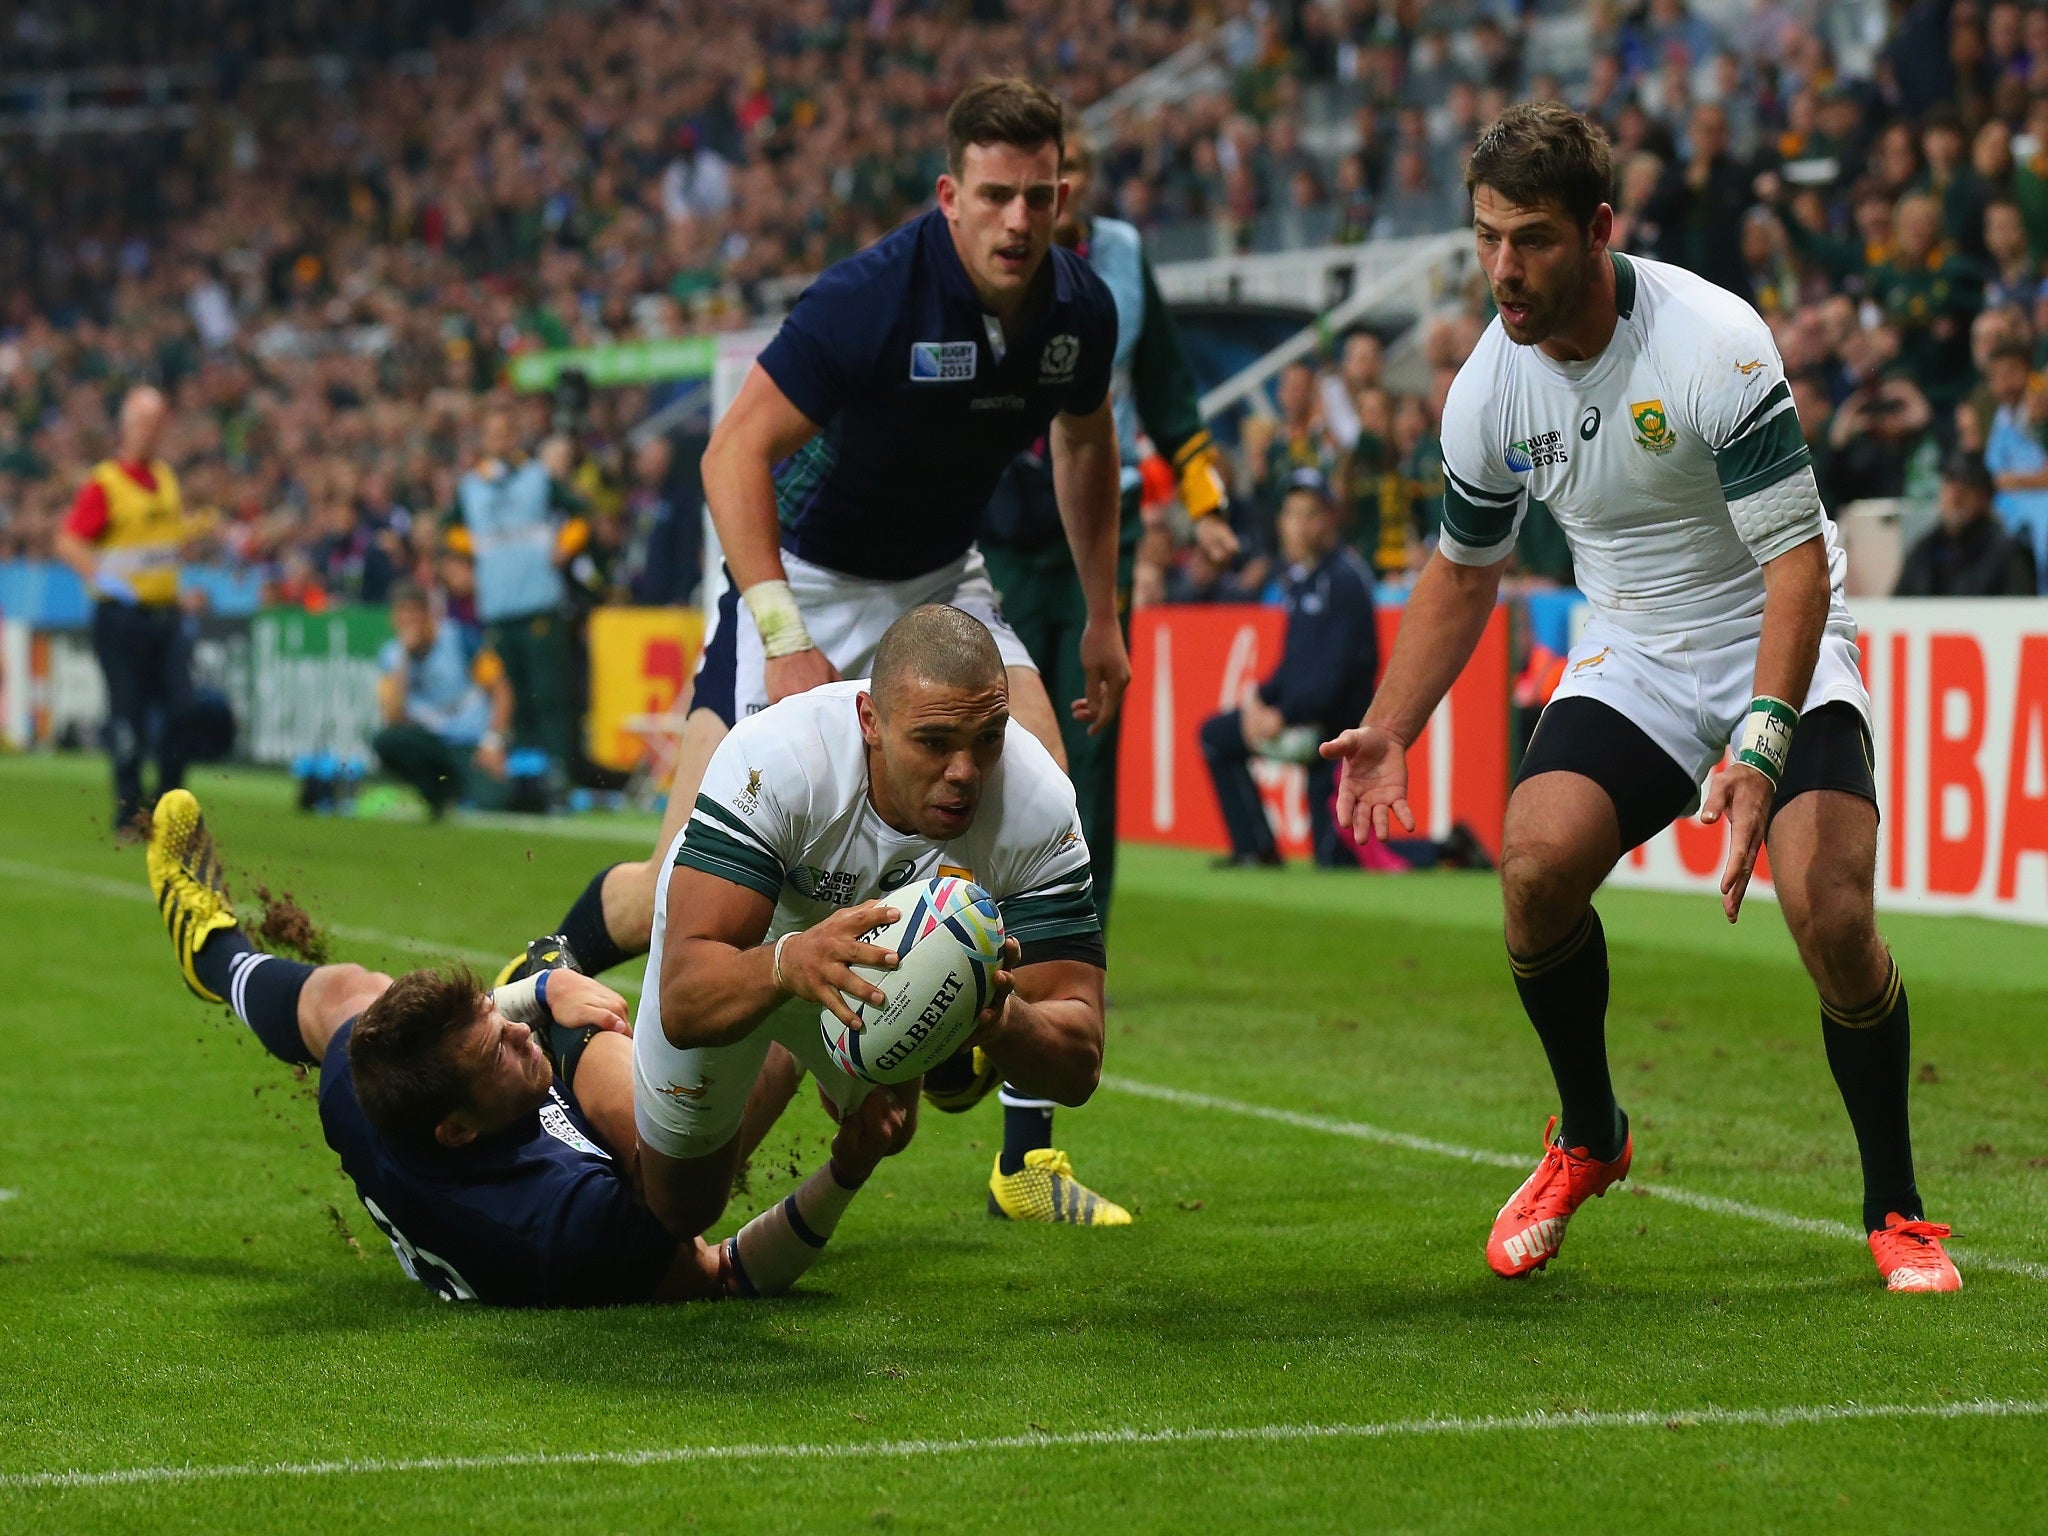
(1649, 411)
(812, 812)
(848, 478)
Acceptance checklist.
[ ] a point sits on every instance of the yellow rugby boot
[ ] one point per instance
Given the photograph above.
(185, 877)
(1045, 1189)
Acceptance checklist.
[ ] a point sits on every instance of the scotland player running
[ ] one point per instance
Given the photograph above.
(490, 1135)
(1649, 411)
(811, 813)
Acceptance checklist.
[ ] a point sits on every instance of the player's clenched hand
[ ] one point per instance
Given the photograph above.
(1106, 666)
(880, 1126)
(1372, 789)
(798, 672)
(576, 1001)
(1743, 795)
(818, 962)
(988, 1024)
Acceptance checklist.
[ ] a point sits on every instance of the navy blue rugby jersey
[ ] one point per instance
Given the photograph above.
(890, 352)
(538, 1215)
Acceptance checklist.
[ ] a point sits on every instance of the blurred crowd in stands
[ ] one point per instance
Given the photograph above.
(330, 281)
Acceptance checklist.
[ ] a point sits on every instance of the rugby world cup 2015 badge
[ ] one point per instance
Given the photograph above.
(941, 362)
(1653, 427)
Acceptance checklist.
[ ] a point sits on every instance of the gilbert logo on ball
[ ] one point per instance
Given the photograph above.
(949, 945)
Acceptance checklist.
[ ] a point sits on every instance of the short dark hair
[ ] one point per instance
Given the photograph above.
(935, 643)
(401, 1052)
(1543, 151)
(2008, 347)
(1003, 112)
(405, 590)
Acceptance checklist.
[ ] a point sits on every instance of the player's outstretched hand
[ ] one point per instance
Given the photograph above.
(988, 1023)
(1106, 666)
(1743, 795)
(576, 1001)
(1218, 540)
(881, 1126)
(817, 963)
(1372, 790)
(798, 672)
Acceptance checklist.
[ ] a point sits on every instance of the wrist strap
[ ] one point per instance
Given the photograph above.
(775, 960)
(776, 616)
(1764, 741)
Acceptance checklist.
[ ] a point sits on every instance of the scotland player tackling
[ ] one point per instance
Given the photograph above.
(1649, 410)
(810, 814)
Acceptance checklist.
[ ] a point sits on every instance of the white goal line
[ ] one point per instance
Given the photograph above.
(1680, 1419)
(1358, 1130)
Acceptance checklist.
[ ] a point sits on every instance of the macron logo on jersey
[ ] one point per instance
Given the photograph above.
(941, 362)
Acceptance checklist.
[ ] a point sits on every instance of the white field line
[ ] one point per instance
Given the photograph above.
(137, 890)
(1679, 1420)
(1358, 1130)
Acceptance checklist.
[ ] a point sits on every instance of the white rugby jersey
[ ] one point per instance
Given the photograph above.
(1637, 453)
(784, 810)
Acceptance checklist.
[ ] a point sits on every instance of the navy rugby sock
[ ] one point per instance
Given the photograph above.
(1870, 1053)
(1027, 1126)
(1564, 992)
(590, 941)
(262, 989)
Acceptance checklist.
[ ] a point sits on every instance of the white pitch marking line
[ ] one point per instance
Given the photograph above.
(1267, 1434)
(8, 1194)
(122, 890)
(1358, 1130)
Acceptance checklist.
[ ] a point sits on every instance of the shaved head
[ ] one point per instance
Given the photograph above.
(142, 422)
(936, 645)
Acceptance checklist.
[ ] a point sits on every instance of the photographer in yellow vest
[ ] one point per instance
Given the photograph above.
(123, 537)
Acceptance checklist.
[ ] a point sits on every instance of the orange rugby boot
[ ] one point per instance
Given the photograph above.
(1910, 1256)
(1530, 1227)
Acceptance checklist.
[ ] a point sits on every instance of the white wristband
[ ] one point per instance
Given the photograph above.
(775, 961)
(778, 619)
(520, 1001)
(1764, 740)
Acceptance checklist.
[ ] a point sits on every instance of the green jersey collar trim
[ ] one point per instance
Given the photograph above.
(1624, 284)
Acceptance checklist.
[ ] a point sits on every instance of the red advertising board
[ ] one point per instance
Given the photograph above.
(1959, 706)
(1188, 663)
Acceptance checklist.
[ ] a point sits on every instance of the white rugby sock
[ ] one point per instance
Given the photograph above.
(765, 1257)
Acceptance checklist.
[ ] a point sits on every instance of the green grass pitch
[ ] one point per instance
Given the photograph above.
(1320, 1089)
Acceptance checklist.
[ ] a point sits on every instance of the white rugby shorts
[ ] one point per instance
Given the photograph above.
(688, 1103)
(846, 616)
(1690, 701)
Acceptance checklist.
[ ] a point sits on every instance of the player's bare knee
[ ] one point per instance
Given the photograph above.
(341, 991)
(1839, 943)
(1541, 897)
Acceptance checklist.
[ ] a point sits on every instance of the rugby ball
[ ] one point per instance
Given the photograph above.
(949, 945)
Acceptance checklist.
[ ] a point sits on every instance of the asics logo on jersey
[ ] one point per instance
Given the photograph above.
(1535, 451)
(899, 873)
(1653, 427)
(1589, 424)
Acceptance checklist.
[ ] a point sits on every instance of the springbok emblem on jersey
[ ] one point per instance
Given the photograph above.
(1746, 369)
(1653, 428)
